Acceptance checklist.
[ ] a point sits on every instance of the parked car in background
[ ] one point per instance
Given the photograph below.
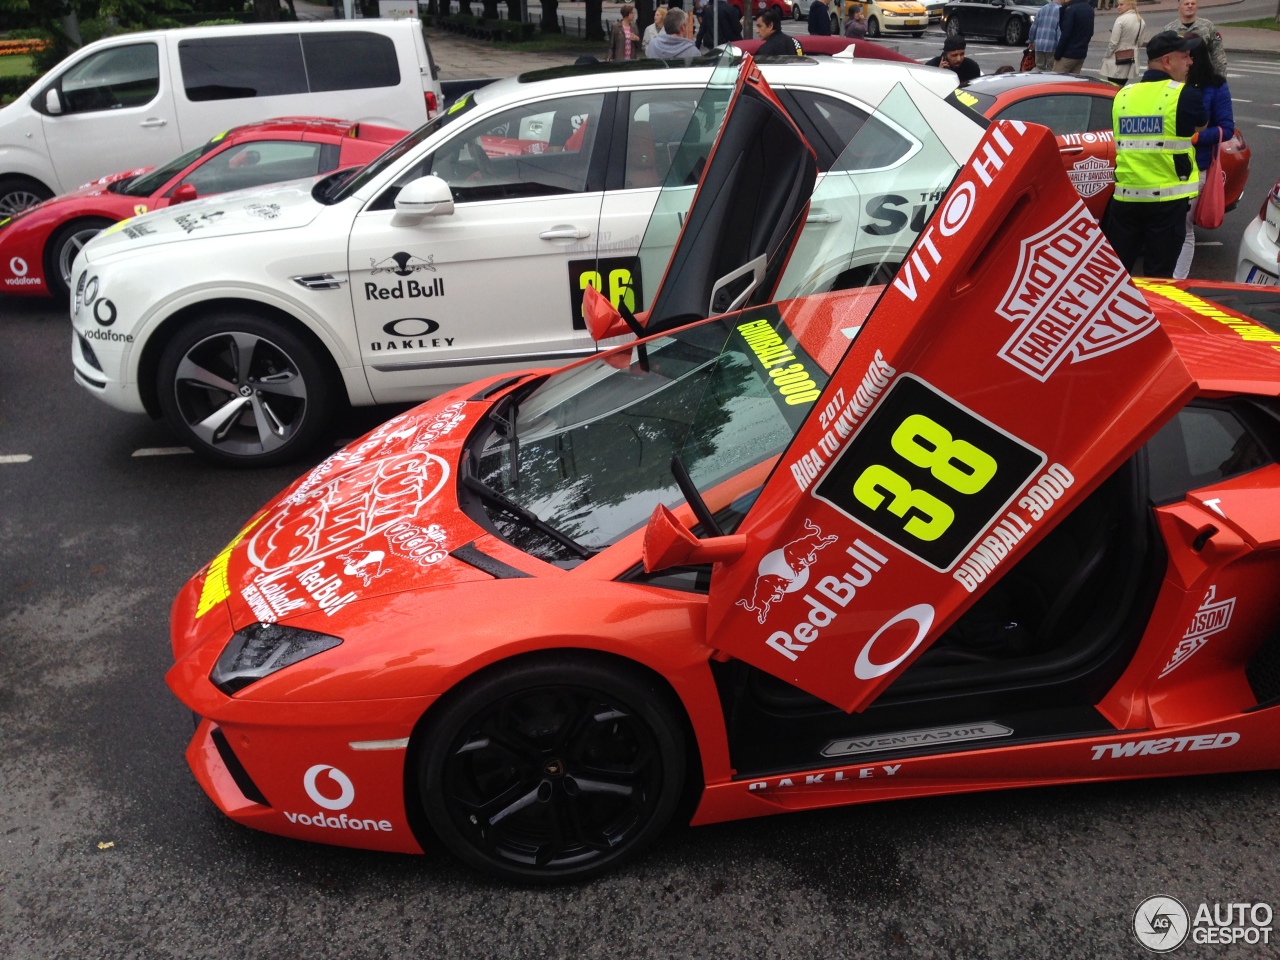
(39, 244)
(1258, 260)
(892, 16)
(1078, 111)
(466, 248)
(1008, 21)
(138, 99)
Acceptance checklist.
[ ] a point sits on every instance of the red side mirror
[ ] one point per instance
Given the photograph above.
(603, 319)
(183, 194)
(668, 544)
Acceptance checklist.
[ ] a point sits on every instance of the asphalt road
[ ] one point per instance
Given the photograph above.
(109, 849)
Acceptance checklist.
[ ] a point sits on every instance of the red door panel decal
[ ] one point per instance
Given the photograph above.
(1008, 369)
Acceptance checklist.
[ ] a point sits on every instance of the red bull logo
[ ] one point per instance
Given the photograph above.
(785, 570)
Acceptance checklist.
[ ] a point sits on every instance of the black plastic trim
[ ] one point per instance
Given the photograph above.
(468, 553)
(234, 767)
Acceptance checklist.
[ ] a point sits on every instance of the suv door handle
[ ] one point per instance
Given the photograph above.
(153, 122)
(822, 216)
(565, 232)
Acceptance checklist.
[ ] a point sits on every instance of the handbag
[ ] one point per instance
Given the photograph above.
(1211, 206)
(1028, 60)
(1124, 57)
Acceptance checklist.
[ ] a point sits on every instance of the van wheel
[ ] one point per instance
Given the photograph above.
(552, 768)
(18, 193)
(60, 253)
(244, 391)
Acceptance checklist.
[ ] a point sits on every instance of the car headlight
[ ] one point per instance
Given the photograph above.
(260, 650)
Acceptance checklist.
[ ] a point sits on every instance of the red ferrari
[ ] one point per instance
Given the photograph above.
(1007, 519)
(1078, 111)
(39, 245)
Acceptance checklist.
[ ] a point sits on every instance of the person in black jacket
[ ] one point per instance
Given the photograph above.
(953, 58)
(719, 25)
(819, 19)
(776, 43)
(1075, 30)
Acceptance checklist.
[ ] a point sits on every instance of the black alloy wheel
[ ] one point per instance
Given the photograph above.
(552, 768)
(19, 193)
(244, 391)
(1015, 31)
(60, 253)
(953, 26)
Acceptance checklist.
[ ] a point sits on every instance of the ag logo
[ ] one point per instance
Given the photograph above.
(18, 266)
(346, 789)
(410, 327)
(104, 311)
(1161, 924)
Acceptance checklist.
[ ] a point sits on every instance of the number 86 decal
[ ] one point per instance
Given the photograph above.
(927, 444)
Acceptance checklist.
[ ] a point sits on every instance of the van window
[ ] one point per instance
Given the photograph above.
(273, 65)
(350, 60)
(231, 68)
(127, 76)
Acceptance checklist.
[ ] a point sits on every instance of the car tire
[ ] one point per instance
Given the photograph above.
(918, 34)
(796, 13)
(19, 193)
(60, 252)
(953, 27)
(1015, 32)
(873, 27)
(504, 762)
(243, 390)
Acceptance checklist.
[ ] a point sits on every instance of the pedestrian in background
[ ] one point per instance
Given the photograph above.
(819, 19)
(719, 25)
(672, 44)
(1075, 30)
(1189, 22)
(624, 44)
(855, 27)
(1120, 62)
(1154, 121)
(1220, 127)
(654, 28)
(1044, 35)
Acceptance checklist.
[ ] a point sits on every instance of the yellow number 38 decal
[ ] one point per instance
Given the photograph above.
(928, 444)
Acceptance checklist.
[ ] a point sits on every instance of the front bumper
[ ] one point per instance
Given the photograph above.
(1256, 260)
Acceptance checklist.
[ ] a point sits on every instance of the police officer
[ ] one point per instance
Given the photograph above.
(1155, 122)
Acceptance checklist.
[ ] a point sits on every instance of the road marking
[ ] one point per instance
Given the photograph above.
(1238, 100)
(1267, 126)
(1208, 243)
(160, 451)
(15, 458)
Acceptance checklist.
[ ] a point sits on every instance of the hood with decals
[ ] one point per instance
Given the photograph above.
(261, 210)
(902, 8)
(378, 517)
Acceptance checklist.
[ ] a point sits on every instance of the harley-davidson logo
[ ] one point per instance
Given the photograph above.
(1071, 298)
(1091, 176)
(1212, 617)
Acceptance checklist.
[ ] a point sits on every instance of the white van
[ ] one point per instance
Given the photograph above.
(141, 99)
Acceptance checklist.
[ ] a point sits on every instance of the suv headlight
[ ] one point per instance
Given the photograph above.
(260, 650)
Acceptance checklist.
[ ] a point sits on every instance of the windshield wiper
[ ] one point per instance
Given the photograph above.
(513, 509)
(508, 424)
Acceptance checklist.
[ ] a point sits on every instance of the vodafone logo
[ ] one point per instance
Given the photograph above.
(18, 267)
(346, 789)
(867, 669)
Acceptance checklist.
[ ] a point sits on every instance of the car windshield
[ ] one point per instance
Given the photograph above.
(149, 183)
(339, 191)
(591, 449)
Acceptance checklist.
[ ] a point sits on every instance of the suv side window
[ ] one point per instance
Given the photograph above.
(538, 149)
(232, 68)
(255, 164)
(1063, 113)
(656, 124)
(127, 76)
(836, 122)
(1202, 445)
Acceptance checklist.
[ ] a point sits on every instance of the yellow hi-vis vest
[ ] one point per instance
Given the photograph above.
(1144, 120)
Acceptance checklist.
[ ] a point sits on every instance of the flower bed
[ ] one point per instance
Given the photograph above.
(9, 48)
